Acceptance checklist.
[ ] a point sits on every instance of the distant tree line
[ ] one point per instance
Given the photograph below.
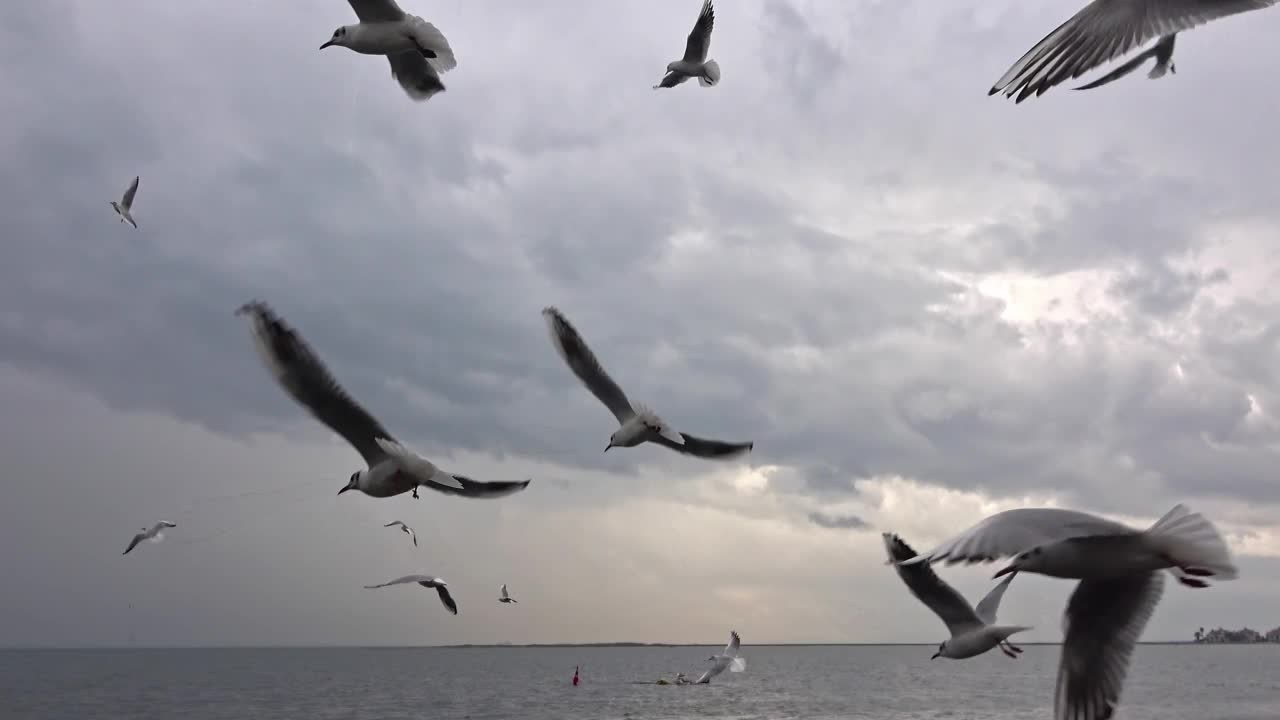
(1243, 635)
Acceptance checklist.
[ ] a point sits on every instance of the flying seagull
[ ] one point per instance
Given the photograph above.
(695, 62)
(1162, 51)
(728, 659)
(426, 581)
(638, 424)
(417, 51)
(973, 632)
(155, 534)
(392, 469)
(1120, 584)
(504, 597)
(405, 528)
(1103, 31)
(125, 205)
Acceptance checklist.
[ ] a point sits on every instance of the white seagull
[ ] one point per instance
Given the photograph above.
(1119, 570)
(392, 469)
(125, 205)
(638, 424)
(695, 62)
(405, 528)
(155, 534)
(417, 51)
(1103, 31)
(973, 631)
(728, 659)
(504, 597)
(426, 581)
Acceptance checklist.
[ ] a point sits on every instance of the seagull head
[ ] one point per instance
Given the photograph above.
(353, 483)
(942, 651)
(1030, 560)
(339, 38)
(671, 66)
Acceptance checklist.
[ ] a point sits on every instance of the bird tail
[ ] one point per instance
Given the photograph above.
(738, 664)
(1193, 544)
(430, 38)
(710, 74)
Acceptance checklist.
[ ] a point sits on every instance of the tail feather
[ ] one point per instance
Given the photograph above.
(710, 74)
(1194, 544)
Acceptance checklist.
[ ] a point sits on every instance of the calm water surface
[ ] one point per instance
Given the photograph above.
(885, 683)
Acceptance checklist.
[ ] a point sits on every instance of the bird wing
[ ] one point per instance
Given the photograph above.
(1105, 30)
(671, 80)
(945, 601)
(298, 370)
(373, 11)
(1121, 71)
(584, 364)
(402, 580)
(412, 535)
(478, 490)
(1010, 532)
(434, 44)
(166, 523)
(719, 665)
(127, 201)
(416, 466)
(990, 605)
(418, 77)
(504, 591)
(703, 448)
(695, 48)
(1103, 622)
(735, 642)
(394, 523)
(446, 598)
(134, 543)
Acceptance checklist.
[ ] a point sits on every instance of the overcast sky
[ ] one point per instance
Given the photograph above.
(923, 304)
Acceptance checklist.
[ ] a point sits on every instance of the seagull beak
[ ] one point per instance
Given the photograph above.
(606, 447)
(1006, 571)
(348, 487)
(936, 656)
(327, 44)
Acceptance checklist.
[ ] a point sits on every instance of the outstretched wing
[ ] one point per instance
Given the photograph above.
(734, 642)
(584, 364)
(704, 448)
(945, 601)
(134, 543)
(127, 201)
(469, 488)
(416, 76)
(447, 599)
(373, 11)
(1010, 532)
(402, 581)
(990, 605)
(298, 370)
(695, 48)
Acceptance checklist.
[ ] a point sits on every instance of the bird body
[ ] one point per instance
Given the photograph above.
(124, 208)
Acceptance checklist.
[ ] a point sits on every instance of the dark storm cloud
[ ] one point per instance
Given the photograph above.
(837, 522)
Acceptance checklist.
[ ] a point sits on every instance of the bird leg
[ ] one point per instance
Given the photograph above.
(1005, 650)
(415, 493)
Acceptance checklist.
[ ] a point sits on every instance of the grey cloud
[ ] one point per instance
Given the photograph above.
(837, 522)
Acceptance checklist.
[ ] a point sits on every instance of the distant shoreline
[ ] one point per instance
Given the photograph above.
(468, 646)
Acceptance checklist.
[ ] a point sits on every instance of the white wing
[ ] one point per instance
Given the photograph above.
(127, 201)
(416, 465)
(1010, 532)
(584, 364)
(990, 604)
(734, 642)
(738, 664)
(945, 601)
(403, 580)
(372, 11)
(1105, 30)
(430, 38)
(395, 523)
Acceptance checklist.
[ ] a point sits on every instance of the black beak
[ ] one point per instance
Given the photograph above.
(1006, 571)
(344, 489)
(326, 45)
(606, 449)
(936, 656)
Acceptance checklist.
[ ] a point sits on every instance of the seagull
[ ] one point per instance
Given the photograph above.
(426, 581)
(638, 424)
(123, 207)
(392, 469)
(504, 597)
(695, 62)
(1120, 576)
(155, 534)
(1162, 51)
(973, 631)
(1103, 31)
(417, 51)
(726, 660)
(405, 528)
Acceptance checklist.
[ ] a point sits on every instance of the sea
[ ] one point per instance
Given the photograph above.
(1166, 682)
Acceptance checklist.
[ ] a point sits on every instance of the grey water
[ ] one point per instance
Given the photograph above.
(1169, 682)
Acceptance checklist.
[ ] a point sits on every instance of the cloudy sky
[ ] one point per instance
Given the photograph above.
(923, 304)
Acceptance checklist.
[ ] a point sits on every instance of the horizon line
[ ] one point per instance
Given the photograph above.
(464, 646)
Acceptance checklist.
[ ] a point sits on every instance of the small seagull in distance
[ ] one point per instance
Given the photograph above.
(504, 597)
(125, 205)
(638, 424)
(973, 632)
(426, 581)
(405, 528)
(1103, 31)
(417, 51)
(695, 62)
(728, 659)
(392, 469)
(155, 534)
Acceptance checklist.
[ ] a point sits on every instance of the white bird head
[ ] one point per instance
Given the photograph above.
(671, 66)
(942, 651)
(613, 440)
(341, 37)
(353, 483)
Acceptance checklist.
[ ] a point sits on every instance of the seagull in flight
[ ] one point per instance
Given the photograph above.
(695, 62)
(155, 534)
(1106, 29)
(417, 51)
(405, 528)
(125, 205)
(426, 581)
(638, 424)
(973, 631)
(728, 659)
(392, 469)
(504, 597)
(1120, 576)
